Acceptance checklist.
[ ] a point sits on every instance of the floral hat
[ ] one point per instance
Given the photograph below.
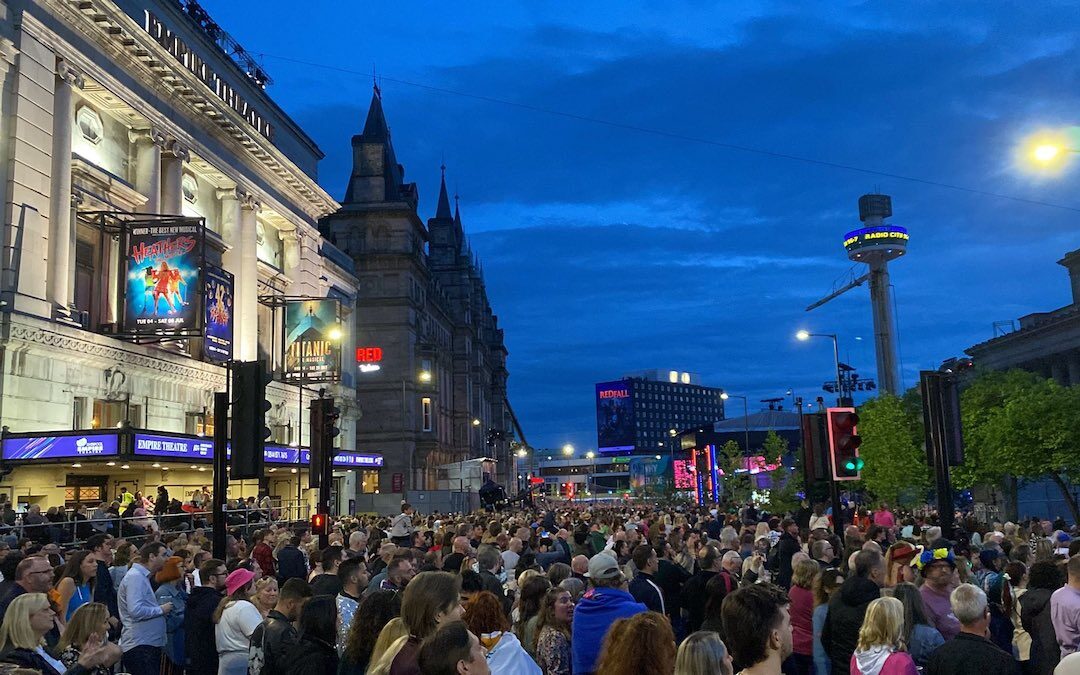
(931, 556)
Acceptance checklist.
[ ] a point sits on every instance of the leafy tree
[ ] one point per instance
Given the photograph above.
(1018, 423)
(730, 458)
(895, 467)
(783, 498)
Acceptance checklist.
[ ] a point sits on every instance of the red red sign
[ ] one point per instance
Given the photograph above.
(368, 354)
(397, 482)
(536, 480)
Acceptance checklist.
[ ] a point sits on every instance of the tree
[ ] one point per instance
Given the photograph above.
(1018, 423)
(783, 498)
(736, 481)
(895, 468)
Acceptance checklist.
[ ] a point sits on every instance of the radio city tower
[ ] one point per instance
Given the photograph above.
(875, 244)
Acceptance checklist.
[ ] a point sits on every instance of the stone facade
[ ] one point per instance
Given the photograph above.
(441, 387)
(100, 111)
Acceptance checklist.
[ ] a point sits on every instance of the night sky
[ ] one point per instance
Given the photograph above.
(608, 250)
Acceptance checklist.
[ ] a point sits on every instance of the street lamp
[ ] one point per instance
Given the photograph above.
(746, 418)
(568, 450)
(591, 456)
(806, 335)
(1049, 150)
(476, 422)
(425, 376)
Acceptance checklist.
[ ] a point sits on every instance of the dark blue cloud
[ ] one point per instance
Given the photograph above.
(607, 250)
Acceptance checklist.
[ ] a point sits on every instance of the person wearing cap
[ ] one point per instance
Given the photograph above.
(898, 564)
(607, 601)
(937, 566)
(236, 619)
(169, 590)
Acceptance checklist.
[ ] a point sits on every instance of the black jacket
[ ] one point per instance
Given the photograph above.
(670, 578)
(276, 638)
(28, 658)
(311, 657)
(1035, 616)
(645, 592)
(199, 637)
(788, 546)
(968, 654)
(693, 599)
(844, 618)
(105, 593)
(291, 564)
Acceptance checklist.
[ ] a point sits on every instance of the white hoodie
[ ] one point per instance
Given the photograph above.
(871, 661)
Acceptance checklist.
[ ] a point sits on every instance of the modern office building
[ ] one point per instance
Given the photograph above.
(635, 415)
(159, 218)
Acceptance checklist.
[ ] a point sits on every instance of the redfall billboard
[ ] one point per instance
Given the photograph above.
(614, 417)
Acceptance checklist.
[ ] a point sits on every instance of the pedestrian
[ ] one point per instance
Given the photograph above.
(1043, 579)
(354, 579)
(703, 653)
(76, 585)
(802, 615)
(879, 650)
(199, 655)
(453, 650)
(263, 552)
(90, 623)
(1065, 609)
(643, 587)
(485, 618)
(848, 607)
(235, 619)
(898, 568)
(693, 596)
(143, 619)
(328, 582)
(788, 545)
(104, 586)
(553, 635)
(607, 601)
(529, 601)
(937, 567)
(265, 595)
(401, 527)
(376, 610)
(314, 653)
(920, 637)
(291, 563)
(170, 591)
(430, 599)
(22, 634)
(623, 650)
(273, 640)
(970, 652)
(757, 623)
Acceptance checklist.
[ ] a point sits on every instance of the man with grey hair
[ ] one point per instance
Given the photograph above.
(970, 652)
(490, 562)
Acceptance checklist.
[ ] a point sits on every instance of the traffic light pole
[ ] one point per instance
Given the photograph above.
(934, 423)
(221, 476)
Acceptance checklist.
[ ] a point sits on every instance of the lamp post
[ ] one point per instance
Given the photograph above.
(806, 335)
(746, 417)
(591, 478)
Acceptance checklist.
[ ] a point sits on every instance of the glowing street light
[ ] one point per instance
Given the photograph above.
(803, 335)
(425, 376)
(1048, 150)
(476, 422)
(590, 455)
(335, 334)
(568, 450)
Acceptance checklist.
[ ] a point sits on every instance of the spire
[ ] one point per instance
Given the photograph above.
(457, 211)
(443, 210)
(375, 128)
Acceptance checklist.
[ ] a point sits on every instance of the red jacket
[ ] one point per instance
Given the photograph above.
(802, 619)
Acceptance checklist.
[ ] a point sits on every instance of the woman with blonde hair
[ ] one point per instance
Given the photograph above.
(22, 638)
(390, 641)
(703, 653)
(91, 620)
(880, 649)
(265, 595)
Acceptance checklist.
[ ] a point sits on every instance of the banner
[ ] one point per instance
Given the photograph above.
(218, 335)
(615, 429)
(313, 340)
(163, 260)
(59, 447)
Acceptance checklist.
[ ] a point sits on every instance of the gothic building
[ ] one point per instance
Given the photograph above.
(439, 392)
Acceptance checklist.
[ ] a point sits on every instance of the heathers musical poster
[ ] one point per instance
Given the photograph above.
(162, 284)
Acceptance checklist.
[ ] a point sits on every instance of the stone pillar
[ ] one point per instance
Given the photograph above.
(247, 283)
(148, 144)
(61, 228)
(1073, 364)
(172, 174)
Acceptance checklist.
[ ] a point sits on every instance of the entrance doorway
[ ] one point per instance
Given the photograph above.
(85, 490)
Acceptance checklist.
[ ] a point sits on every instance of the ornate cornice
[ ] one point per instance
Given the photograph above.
(177, 149)
(161, 364)
(69, 74)
(151, 135)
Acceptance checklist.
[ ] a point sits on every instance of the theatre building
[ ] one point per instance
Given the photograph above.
(159, 220)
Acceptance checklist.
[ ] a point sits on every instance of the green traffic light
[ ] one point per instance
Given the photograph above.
(854, 464)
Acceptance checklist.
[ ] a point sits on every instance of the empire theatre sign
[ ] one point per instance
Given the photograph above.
(194, 63)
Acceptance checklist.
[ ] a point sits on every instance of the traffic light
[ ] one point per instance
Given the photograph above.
(324, 429)
(844, 443)
(319, 524)
(249, 431)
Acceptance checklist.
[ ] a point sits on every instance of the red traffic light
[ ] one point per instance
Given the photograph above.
(319, 524)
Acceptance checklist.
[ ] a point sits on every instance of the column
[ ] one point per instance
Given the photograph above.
(148, 145)
(1073, 362)
(172, 173)
(247, 283)
(61, 232)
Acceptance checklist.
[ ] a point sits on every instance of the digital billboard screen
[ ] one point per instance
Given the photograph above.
(685, 478)
(59, 447)
(614, 417)
(313, 340)
(163, 262)
(178, 447)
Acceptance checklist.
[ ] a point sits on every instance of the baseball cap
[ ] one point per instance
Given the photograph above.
(603, 566)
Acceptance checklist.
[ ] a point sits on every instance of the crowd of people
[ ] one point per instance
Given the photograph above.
(664, 589)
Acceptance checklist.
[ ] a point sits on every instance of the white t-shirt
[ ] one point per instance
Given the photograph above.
(1070, 665)
(238, 622)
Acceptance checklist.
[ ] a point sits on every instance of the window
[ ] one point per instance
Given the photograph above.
(369, 482)
(78, 413)
(425, 407)
(199, 423)
(111, 414)
(189, 185)
(90, 126)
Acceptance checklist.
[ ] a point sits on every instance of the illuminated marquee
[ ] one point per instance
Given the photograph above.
(369, 354)
(884, 235)
(614, 393)
(194, 63)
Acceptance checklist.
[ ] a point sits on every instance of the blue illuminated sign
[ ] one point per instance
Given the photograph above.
(59, 447)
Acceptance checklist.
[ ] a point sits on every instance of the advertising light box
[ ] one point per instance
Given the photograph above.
(59, 447)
